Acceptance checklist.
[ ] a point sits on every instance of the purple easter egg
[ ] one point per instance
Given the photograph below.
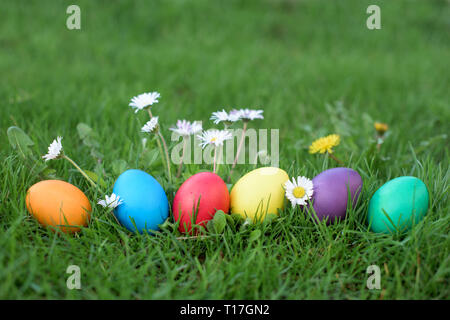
(331, 192)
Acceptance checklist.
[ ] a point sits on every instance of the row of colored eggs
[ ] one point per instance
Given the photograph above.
(398, 204)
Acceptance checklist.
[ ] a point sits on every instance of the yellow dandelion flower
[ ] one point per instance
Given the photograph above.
(324, 144)
(381, 128)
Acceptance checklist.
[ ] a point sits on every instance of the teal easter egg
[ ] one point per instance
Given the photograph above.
(145, 205)
(398, 205)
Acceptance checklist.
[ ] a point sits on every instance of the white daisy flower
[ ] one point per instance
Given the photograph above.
(183, 128)
(234, 115)
(219, 116)
(223, 116)
(54, 150)
(186, 128)
(111, 202)
(151, 125)
(214, 137)
(196, 127)
(300, 191)
(250, 114)
(144, 100)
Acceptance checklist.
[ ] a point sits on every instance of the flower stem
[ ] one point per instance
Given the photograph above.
(214, 166)
(167, 155)
(160, 149)
(81, 170)
(241, 142)
(112, 212)
(166, 152)
(219, 158)
(332, 156)
(182, 157)
(379, 142)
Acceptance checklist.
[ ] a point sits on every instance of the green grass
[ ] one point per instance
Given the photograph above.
(314, 68)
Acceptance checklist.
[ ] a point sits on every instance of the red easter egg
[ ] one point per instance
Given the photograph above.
(201, 195)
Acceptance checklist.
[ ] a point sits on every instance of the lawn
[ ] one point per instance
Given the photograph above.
(312, 66)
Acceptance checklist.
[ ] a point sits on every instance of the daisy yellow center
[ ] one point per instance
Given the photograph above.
(299, 192)
(213, 139)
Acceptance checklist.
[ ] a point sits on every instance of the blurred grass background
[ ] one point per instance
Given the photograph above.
(315, 69)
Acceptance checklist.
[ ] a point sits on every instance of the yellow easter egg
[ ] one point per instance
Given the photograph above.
(58, 204)
(259, 193)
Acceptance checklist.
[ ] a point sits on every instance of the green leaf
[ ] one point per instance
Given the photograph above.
(210, 226)
(230, 219)
(84, 130)
(119, 166)
(220, 221)
(96, 178)
(20, 141)
(254, 235)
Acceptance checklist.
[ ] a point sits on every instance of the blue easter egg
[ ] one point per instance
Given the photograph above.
(398, 205)
(144, 201)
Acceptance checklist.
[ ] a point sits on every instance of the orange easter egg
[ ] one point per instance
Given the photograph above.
(58, 204)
